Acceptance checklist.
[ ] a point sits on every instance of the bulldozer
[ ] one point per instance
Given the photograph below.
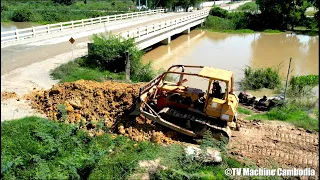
(191, 110)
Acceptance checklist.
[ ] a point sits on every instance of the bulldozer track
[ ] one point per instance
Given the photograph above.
(197, 119)
(266, 144)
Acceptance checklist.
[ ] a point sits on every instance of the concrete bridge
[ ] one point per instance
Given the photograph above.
(147, 29)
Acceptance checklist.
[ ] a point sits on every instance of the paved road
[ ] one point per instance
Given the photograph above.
(17, 56)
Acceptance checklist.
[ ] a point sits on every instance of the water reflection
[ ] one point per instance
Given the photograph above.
(235, 51)
(8, 26)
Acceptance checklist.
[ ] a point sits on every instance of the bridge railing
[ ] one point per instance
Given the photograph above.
(162, 26)
(19, 34)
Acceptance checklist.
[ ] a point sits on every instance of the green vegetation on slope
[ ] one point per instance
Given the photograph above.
(107, 61)
(222, 20)
(48, 12)
(37, 148)
(290, 113)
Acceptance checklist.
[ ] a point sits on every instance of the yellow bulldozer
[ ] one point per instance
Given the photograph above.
(191, 110)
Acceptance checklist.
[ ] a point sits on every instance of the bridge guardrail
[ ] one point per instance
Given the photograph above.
(25, 33)
(141, 31)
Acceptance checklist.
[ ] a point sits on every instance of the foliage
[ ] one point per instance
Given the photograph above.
(48, 12)
(278, 14)
(291, 113)
(249, 7)
(22, 15)
(37, 148)
(260, 78)
(217, 23)
(217, 11)
(109, 53)
(302, 85)
(106, 61)
(64, 2)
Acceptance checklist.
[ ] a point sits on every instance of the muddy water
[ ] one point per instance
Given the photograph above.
(8, 26)
(235, 51)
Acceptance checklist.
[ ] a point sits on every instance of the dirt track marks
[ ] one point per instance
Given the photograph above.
(267, 144)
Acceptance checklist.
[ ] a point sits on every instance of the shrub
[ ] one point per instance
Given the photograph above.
(302, 85)
(217, 23)
(217, 11)
(260, 78)
(109, 51)
(249, 6)
(22, 15)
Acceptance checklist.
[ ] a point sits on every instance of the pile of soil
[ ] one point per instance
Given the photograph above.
(8, 95)
(90, 103)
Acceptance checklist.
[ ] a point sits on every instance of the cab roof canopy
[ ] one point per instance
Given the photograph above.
(216, 74)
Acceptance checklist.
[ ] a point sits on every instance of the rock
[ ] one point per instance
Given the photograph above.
(209, 156)
(121, 130)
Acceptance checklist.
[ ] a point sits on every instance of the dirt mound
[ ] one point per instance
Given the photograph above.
(92, 104)
(8, 95)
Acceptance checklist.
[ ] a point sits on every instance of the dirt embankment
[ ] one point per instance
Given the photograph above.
(90, 103)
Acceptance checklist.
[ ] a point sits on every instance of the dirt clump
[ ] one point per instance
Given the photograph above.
(92, 104)
(8, 95)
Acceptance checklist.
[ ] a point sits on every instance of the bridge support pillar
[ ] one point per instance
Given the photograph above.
(187, 31)
(166, 41)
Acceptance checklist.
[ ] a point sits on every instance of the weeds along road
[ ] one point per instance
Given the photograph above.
(17, 56)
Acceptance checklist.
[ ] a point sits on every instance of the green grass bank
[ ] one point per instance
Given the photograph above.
(37, 148)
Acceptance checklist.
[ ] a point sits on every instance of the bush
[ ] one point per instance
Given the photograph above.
(302, 85)
(260, 78)
(217, 23)
(22, 15)
(219, 12)
(108, 53)
(249, 7)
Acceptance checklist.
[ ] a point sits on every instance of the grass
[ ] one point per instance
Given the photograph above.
(37, 148)
(238, 31)
(271, 31)
(76, 70)
(292, 114)
(242, 110)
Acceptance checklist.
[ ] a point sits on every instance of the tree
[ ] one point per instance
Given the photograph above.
(277, 14)
(65, 2)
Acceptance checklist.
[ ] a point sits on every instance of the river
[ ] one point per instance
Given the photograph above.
(236, 51)
(8, 26)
